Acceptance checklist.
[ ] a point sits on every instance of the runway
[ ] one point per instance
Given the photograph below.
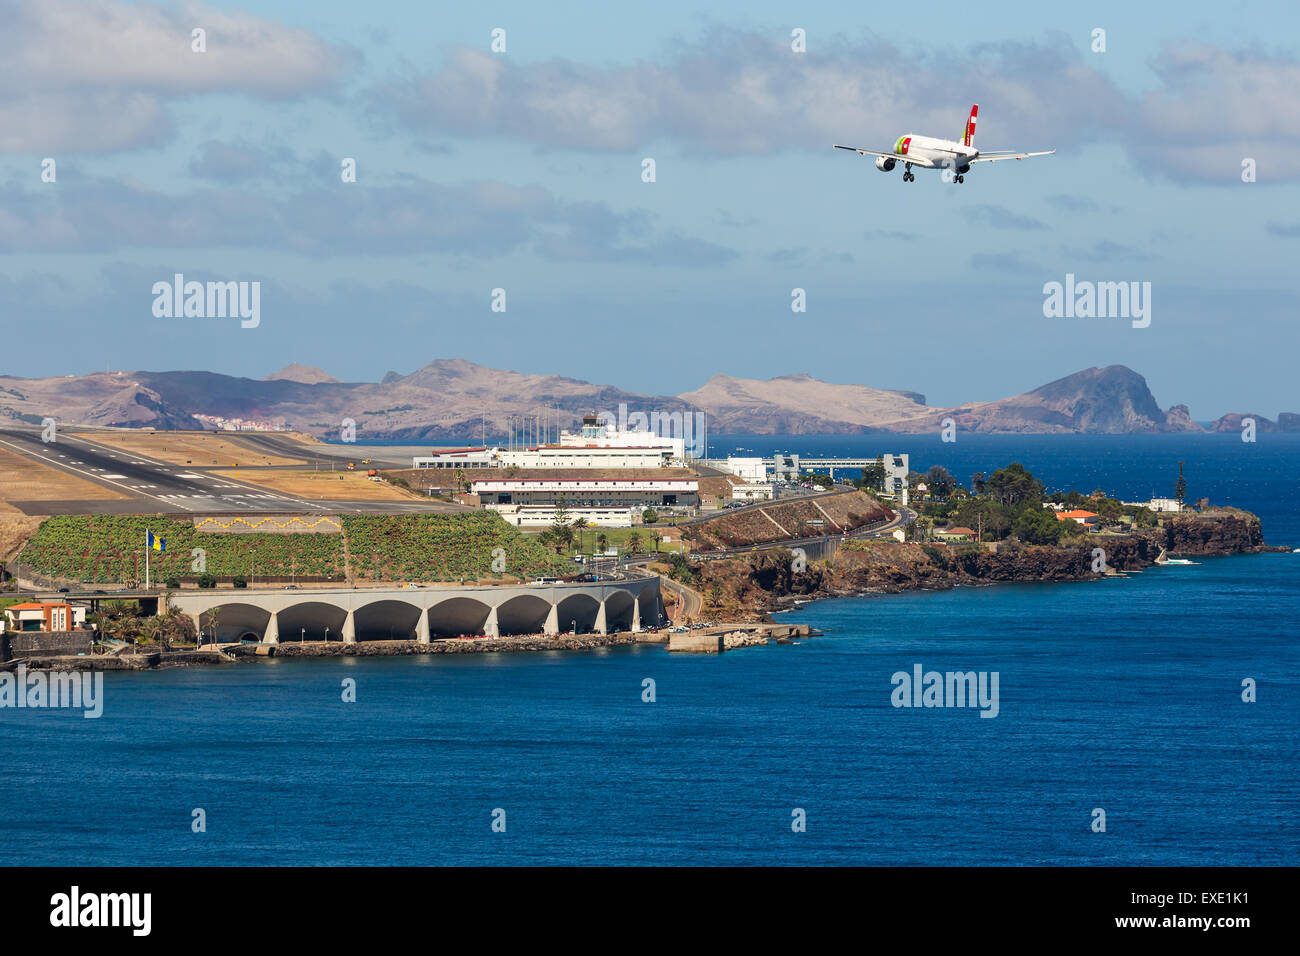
(153, 486)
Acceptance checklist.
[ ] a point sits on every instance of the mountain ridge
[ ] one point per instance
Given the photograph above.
(451, 399)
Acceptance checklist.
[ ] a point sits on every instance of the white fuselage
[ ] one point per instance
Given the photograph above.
(934, 153)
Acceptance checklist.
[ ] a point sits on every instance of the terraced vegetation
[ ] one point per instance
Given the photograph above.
(432, 547)
(109, 549)
(101, 549)
(783, 519)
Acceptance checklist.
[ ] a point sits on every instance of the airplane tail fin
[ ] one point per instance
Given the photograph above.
(968, 137)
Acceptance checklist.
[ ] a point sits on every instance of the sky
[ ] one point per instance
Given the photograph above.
(522, 169)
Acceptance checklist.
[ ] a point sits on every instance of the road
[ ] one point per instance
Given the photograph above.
(903, 516)
(692, 603)
(158, 487)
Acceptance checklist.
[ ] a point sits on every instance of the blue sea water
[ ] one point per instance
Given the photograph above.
(1121, 694)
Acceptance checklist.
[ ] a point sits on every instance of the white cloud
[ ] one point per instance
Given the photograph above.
(743, 92)
(94, 76)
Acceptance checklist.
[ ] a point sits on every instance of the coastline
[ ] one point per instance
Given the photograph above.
(755, 586)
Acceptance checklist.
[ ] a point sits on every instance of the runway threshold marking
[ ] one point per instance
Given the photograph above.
(131, 492)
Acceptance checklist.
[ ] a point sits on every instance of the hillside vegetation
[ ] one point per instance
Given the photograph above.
(109, 549)
(792, 518)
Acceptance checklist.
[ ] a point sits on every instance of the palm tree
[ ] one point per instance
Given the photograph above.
(634, 542)
(151, 629)
(578, 525)
(602, 541)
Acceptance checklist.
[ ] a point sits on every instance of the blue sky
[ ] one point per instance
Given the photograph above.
(521, 170)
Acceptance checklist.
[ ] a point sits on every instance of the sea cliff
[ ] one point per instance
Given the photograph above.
(750, 586)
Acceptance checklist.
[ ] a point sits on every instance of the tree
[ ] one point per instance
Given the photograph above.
(1038, 526)
(1013, 486)
(561, 530)
(214, 614)
(940, 482)
(679, 568)
(578, 525)
(1180, 488)
(602, 542)
(978, 481)
(151, 629)
(649, 516)
(873, 477)
(715, 594)
(634, 542)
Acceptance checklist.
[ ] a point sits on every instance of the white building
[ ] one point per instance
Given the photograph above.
(1165, 504)
(458, 458)
(601, 432)
(752, 470)
(589, 492)
(752, 492)
(548, 456)
(561, 456)
(543, 516)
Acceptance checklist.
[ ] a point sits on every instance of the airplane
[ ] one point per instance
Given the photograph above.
(930, 153)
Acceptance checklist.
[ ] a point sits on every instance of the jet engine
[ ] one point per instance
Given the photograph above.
(884, 163)
(963, 170)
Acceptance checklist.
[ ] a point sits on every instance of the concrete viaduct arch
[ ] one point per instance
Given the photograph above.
(423, 614)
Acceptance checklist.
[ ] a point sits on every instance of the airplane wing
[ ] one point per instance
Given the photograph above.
(889, 155)
(994, 157)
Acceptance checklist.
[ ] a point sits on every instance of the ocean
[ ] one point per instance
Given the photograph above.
(1122, 695)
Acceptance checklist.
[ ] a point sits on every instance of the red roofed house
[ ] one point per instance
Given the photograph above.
(1089, 519)
(44, 616)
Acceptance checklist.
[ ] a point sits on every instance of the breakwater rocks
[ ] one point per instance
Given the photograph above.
(496, 645)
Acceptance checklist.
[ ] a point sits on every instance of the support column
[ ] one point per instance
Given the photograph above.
(422, 627)
(272, 635)
(600, 627)
(198, 621)
(552, 625)
(491, 627)
(349, 629)
(636, 615)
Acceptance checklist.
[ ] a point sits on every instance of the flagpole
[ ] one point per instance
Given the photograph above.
(146, 560)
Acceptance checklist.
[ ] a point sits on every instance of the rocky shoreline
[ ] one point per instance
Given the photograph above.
(244, 653)
(754, 586)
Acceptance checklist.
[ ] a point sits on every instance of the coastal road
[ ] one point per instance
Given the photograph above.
(903, 516)
(691, 601)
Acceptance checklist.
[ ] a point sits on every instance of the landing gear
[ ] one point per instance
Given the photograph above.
(908, 175)
(961, 179)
